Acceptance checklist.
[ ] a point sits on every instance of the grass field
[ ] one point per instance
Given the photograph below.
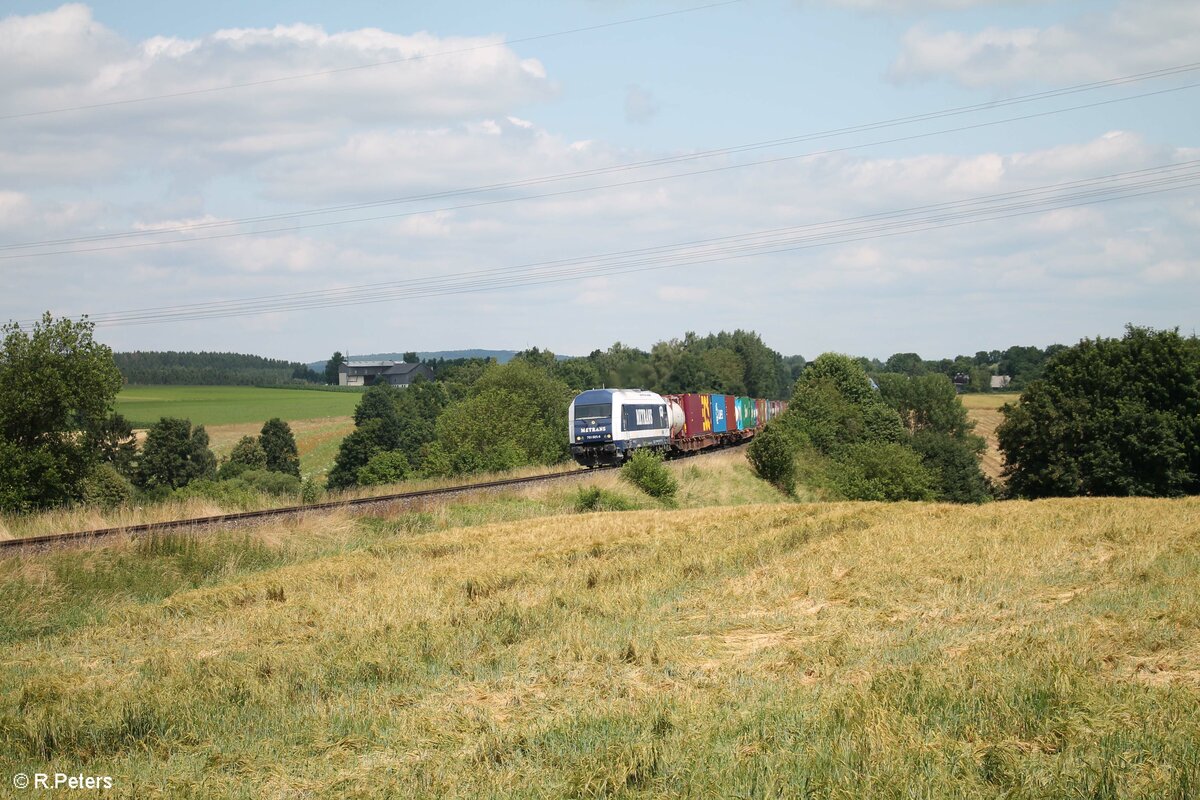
(984, 411)
(844, 650)
(229, 405)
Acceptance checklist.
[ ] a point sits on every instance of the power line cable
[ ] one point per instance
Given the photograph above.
(905, 221)
(1077, 184)
(500, 201)
(371, 65)
(732, 150)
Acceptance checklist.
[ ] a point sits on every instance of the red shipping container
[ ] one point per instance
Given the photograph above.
(761, 409)
(693, 413)
(731, 413)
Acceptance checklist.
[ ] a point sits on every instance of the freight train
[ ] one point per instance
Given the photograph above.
(608, 425)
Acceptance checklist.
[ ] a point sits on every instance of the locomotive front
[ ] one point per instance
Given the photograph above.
(607, 425)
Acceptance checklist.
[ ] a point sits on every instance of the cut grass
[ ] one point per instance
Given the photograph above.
(821, 650)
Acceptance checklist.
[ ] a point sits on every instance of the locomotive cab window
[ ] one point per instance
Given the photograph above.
(593, 411)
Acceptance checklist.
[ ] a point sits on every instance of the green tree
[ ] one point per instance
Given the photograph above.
(113, 441)
(175, 454)
(882, 471)
(514, 415)
(279, 447)
(411, 358)
(386, 466)
(645, 470)
(331, 368)
(925, 403)
(249, 453)
(57, 384)
(1109, 417)
(773, 456)
(905, 364)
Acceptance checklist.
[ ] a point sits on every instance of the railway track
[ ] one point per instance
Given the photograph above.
(52, 540)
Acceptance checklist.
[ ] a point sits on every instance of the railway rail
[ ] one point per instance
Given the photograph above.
(53, 540)
(50, 540)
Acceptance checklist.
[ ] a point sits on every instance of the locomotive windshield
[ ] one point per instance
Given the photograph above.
(593, 411)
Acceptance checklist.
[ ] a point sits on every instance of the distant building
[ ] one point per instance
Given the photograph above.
(1001, 381)
(962, 382)
(366, 373)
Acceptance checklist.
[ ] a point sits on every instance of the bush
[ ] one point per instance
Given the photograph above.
(106, 487)
(276, 484)
(246, 455)
(881, 472)
(645, 470)
(954, 464)
(593, 498)
(310, 492)
(772, 454)
(232, 494)
(387, 467)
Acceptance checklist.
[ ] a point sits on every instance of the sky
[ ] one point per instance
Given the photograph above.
(861, 176)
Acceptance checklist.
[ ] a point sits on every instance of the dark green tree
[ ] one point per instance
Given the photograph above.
(1109, 417)
(411, 358)
(56, 385)
(773, 456)
(331, 368)
(113, 441)
(905, 364)
(279, 447)
(175, 454)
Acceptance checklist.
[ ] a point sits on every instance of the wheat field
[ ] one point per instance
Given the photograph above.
(840, 650)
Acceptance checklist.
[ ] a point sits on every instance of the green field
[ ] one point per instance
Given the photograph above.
(229, 405)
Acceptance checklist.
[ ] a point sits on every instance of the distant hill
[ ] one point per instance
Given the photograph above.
(171, 368)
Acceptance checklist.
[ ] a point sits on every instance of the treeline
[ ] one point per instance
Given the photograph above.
(1021, 363)
(210, 369)
(725, 363)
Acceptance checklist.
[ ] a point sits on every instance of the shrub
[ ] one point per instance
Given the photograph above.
(645, 470)
(106, 487)
(954, 464)
(231, 494)
(593, 498)
(246, 455)
(772, 453)
(389, 466)
(310, 492)
(276, 484)
(881, 472)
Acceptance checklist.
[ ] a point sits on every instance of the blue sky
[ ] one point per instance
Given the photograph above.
(505, 110)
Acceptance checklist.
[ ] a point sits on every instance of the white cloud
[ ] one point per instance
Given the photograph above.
(1131, 38)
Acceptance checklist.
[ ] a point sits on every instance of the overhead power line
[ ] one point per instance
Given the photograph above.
(371, 65)
(918, 219)
(614, 169)
(566, 192)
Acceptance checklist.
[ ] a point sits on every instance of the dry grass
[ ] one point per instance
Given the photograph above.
(841, 650)
(984, 411)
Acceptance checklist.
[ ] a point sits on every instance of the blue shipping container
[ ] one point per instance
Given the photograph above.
(720, 422)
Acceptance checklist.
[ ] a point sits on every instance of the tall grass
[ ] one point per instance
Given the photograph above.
(842, 650)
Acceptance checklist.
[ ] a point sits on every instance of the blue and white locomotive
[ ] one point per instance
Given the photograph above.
(607, 425)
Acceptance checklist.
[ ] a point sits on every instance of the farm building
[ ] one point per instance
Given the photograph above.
(366, 373)
(1001, 381)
